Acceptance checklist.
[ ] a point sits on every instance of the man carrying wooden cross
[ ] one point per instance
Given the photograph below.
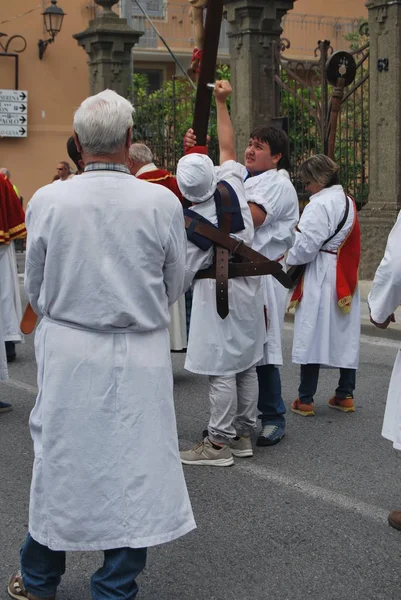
(227, 329)
(274, 207)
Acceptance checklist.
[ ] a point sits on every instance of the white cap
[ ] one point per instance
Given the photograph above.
(196, 177)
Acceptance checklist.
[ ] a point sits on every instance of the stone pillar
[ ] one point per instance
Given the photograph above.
(380, 213)
(108, 42)
(255, 29)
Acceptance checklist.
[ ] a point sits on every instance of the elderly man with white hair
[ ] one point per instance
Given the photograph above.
(226, 349)
(103, 264)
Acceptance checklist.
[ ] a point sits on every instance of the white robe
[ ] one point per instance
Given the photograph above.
(105, 258)
(10, 297)
(224, 346)
(323, 334)
(274, 192)
(384, 298)
(178, 325)
(3, 358)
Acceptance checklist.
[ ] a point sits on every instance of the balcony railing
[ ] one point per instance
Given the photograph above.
(304, 31)
(172, 21)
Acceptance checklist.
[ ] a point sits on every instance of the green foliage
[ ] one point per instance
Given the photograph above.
(163, 117)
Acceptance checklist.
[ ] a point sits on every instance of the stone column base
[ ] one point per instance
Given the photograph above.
(376, 223)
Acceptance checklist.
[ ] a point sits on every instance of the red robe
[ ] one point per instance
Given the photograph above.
(12, 217)
(163, 177)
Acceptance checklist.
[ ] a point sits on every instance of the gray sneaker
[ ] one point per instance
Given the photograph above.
(204, 453)
(241, 447)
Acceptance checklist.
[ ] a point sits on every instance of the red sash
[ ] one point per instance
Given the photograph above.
(12, 217)
(348, 256)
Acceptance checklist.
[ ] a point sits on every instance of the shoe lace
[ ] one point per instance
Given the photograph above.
(269, 430)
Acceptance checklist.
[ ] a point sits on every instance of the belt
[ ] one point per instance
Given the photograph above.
(335, 252)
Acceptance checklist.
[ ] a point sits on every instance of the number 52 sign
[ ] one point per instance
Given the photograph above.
(382, 64)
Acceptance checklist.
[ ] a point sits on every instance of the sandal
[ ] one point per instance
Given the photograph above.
(16, 589)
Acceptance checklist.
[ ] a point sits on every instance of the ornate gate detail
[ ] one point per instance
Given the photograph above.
(304, 102)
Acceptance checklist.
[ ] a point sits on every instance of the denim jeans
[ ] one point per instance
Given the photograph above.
(270, 402)
(42, 569)
(310, 378)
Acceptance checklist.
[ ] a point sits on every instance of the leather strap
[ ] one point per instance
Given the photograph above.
(221, 255)
(256, 263)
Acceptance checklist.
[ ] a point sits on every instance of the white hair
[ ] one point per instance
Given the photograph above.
(102, 122)
(140, 153)
(5, 172)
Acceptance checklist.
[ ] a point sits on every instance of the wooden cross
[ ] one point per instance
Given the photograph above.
(214, 16)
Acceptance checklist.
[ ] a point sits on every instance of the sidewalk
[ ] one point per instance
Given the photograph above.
(393, 332)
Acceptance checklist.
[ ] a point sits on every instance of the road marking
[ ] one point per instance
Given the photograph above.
(21, 385)
(316, 492)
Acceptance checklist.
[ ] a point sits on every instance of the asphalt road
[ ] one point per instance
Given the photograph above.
(306, 519)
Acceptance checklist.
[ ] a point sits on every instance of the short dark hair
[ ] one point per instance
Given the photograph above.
(73, 152)
(278, 142)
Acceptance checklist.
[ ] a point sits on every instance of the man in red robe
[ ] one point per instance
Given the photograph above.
(12, 226)
(142, 166)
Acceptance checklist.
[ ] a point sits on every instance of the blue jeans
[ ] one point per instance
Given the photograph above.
(310, 377)
(42, 569)
(270, 402)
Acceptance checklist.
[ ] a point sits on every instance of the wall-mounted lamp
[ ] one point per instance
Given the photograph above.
(53, 19)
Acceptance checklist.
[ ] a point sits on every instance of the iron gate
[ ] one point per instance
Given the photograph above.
(304, 100)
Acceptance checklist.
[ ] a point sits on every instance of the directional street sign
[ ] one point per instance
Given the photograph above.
(13, 113)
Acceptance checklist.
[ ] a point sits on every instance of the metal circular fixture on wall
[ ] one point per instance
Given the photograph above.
(341, 65)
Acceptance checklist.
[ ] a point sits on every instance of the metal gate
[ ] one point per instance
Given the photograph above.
(304, 100)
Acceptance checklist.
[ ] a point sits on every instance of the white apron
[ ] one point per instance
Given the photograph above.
(115, 411)
(178, 325)
(224, 346)
(277, 196)
(107, 472)
(384, 298)
(10, 297)
(323, 334)
(3, 357)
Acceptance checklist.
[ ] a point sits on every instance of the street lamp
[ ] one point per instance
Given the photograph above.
(53, 19)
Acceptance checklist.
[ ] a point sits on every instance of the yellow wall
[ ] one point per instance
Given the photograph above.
(333, 8)
(56, 86)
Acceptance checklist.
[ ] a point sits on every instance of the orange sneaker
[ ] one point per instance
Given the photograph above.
(306, 410)
(343, 404)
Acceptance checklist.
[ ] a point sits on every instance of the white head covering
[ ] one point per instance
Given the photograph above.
(196, 177)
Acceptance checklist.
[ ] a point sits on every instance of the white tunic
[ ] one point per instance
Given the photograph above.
(224, 346)
(3, 358)
(323, 334)
(10, 298)
(384, 298)
(274, 192)
(105, 258)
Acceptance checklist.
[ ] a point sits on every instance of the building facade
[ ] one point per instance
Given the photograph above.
(58, 83)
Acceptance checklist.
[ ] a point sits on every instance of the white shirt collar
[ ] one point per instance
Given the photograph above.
(146, 169)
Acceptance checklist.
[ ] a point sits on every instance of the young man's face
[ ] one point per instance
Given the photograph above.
(258, 157)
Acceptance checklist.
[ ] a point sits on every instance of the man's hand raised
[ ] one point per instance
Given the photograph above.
(222, 90)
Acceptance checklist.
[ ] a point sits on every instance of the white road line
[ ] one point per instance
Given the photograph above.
(306, 488)
(316, 492)
(21, 385)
